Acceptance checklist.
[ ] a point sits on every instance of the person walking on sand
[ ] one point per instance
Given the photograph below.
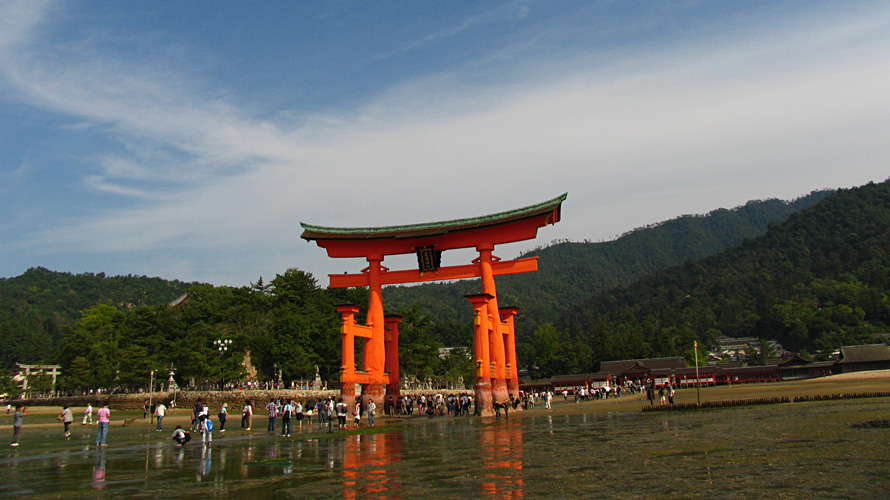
(286, 411)
(206, 426)
(223, 416)
(67, 416)
(298, 412)
(246, 416)
(104, 415)
(197, 411)
(371, 409)
(160, 412)
(88, 415)
(356, 414)
(342, 411)
(272, 408)
(17, 424)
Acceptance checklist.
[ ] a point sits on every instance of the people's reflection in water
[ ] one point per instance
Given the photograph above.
(273, 450)
(99, 470)
(367, 465)
(61, 460)
(205, 463)
(246, 458)
(501, 454)
(158, 456)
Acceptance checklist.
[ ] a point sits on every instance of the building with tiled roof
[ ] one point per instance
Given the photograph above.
(864, 357)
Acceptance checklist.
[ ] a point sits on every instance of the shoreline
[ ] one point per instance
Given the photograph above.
(854, 382)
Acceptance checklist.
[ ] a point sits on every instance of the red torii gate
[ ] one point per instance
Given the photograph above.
(496, 375)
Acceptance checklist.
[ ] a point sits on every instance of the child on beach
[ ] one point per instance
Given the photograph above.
(17, 424)
(181, 436)
(357, 414)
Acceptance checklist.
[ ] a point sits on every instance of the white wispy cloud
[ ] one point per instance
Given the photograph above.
(511, 11)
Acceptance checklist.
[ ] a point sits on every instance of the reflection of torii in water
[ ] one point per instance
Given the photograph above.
(495, 344)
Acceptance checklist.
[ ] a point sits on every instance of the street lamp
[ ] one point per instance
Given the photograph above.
(222, 345)
(151, 385)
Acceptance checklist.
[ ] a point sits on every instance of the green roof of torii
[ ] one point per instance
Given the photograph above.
(311, 232)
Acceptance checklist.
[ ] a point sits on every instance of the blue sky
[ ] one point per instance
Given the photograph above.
(188, 140)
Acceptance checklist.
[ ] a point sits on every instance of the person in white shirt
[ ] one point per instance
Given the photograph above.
(88, 415)
(160, 411)
(371, 409)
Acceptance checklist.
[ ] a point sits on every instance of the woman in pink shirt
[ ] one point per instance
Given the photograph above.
(104, 415)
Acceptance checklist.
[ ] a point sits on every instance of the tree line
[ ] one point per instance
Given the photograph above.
(288, 326)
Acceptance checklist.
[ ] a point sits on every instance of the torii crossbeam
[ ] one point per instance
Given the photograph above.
(495, 344)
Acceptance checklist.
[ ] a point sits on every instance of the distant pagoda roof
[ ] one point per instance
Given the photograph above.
(432, 229)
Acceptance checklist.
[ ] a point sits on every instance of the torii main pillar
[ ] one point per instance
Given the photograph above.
(495, 345)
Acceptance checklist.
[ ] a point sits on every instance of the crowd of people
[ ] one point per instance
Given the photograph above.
(290, 415)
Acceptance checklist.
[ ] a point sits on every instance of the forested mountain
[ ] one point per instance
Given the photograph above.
(35, 305)
(572, 272)
(816, 282)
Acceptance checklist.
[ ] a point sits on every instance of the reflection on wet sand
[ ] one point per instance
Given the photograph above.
(501, 456)
(99, 470)
(368, 465)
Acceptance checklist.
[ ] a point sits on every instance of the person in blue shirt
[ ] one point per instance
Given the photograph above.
(286, 411)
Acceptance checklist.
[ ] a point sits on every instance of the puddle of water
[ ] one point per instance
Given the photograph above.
(789, 451)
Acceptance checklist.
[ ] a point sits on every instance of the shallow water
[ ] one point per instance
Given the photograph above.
(800, 450)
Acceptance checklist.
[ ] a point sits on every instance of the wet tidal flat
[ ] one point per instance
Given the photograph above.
(795, 450)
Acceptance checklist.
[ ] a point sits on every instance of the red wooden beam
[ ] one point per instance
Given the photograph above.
(527, 265)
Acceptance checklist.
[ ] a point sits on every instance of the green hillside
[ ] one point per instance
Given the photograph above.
(816, 282)
(35, 305)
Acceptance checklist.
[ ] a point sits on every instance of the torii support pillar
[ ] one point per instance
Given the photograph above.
(481, 359)
(348, 329)
(392, 354)
(374, 352)
(496, 352)
(371, 378)
(512, 368)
